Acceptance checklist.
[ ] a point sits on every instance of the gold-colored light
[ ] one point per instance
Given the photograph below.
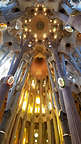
(24, 105)
(37, 100)
(36, 9)
(50, 20)
(36, 135)
(44, 9)
(55, 36)
(25, 21)
(24, 141)
(26, 29)
(33, 84)
(45, 14)
(55, 21)
(50, 106)
(36, 40)
(44, 35)
(50, 30)
(54, 29)
(24, 35)
(37, 109)
(29, 20)
(29, 30)
(38, 5)
(35, 14)
(30, 109)
(35, 35)
(43, 109)
(36, 140)
(43, 5)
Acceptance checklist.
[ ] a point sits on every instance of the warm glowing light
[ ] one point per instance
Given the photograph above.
(47, 140)
(44, 35)
(36, 140)
(37, 100)
(55, 21)
(50, 30)
(33, 84)
(36, 40)
(25, 21)
(45, 14)
(35, 109)
(29, 20)
(29, 30)
(24, 141)
(50, 106)
(24, 36)
(36, 9)
(36, 135)
(54, 29)
(55, 36)
(43, 109)
(26, 29)
(35, 35)
(50, 20)
(30, 109)
(44, 9)
(38, 5)
(43, 5)
(35, 14)
(24, 105)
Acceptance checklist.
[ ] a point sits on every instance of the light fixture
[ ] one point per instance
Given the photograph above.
(55, 21)
(47, 140)
(44, 35)
(35, 14)
(61, 82)
(36, 9)
(24, 35)
(37, 100)
(36, 140)
(36, 135)
(29, 30)
(45, 14)
(68, 28)
(26, 29)
(51, 20)
(25, 21)
(55, 36)
(35, 35)
(54, 29)
(29, 20)
(44, 9)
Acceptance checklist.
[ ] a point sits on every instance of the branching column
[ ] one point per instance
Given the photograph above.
(72, 115)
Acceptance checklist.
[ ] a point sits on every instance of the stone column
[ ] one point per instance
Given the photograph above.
(31, 140)
(72, 115)
(57, 139)
(49, 131)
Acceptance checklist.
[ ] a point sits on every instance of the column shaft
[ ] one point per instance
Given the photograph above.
(72, 115)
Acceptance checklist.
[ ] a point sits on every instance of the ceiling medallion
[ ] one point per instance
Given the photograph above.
(61, 82)
(40, 26)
